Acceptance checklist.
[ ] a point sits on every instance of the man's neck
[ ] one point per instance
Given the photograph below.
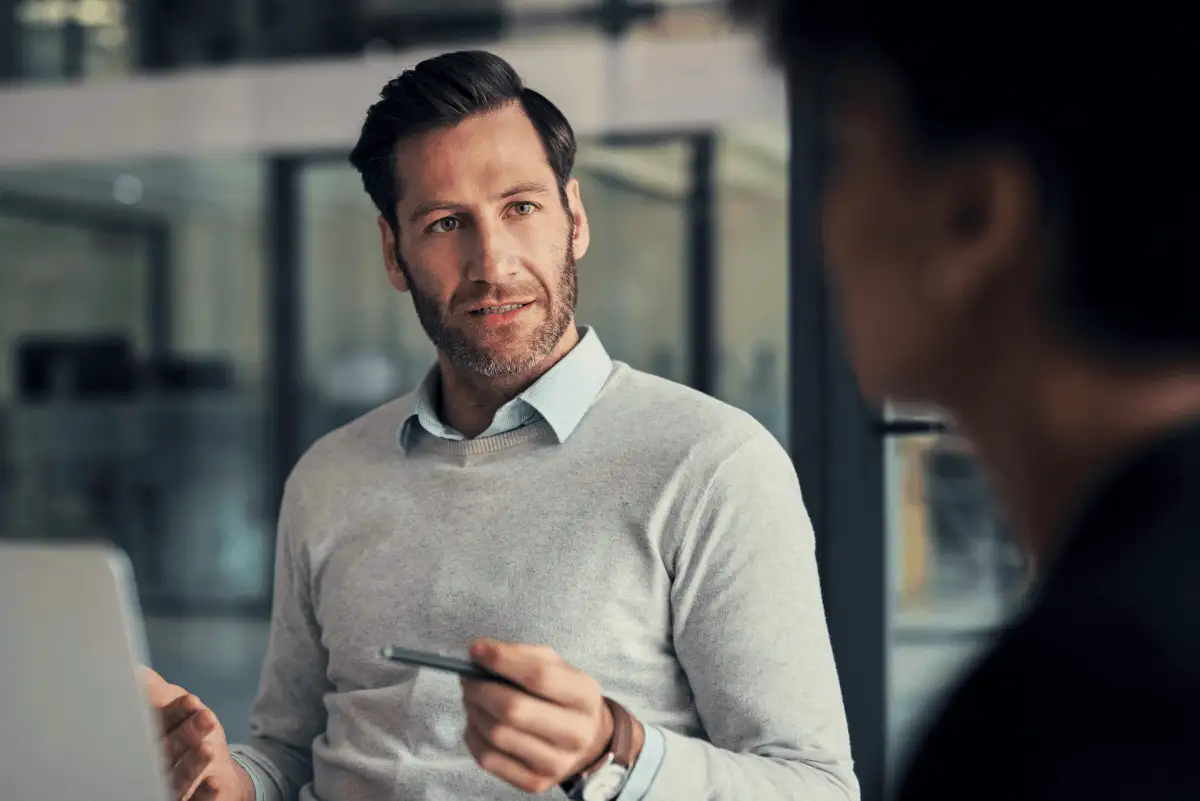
(468, 401)
(1049, 428)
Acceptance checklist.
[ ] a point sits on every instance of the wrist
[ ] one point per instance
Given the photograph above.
(623, 737)
(639, 740)
(603, 741)
(245, 782)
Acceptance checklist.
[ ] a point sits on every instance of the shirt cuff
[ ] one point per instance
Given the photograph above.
(646, 767)
(259, 795)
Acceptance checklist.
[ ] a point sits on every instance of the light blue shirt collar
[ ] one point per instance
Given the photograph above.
(561, 397)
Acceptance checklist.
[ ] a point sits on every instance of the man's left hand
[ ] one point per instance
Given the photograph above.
(534, 740)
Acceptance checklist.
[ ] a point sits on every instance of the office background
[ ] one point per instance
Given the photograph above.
(191, 293)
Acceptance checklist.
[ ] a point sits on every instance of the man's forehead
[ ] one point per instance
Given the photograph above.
(490, 146)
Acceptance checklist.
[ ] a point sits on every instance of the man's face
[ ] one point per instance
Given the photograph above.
(485, 246)
(922, 251)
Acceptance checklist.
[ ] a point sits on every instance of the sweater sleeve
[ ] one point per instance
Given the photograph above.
(289, 712)
(750, 633)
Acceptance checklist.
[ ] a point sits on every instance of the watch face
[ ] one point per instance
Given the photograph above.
(606, 783)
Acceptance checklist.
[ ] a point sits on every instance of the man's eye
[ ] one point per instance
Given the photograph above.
(524, 209)
(444, 225)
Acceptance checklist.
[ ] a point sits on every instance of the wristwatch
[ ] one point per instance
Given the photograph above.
(605, 778)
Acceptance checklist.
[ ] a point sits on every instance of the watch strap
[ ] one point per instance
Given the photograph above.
(618, 750)
(622, 743)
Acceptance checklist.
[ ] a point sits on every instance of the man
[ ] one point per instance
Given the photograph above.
(634, 555)
(1010, 229)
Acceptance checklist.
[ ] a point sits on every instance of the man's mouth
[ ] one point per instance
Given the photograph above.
(504, 309)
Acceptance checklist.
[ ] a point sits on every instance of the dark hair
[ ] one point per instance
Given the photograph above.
(443, 91)
(1096, 97)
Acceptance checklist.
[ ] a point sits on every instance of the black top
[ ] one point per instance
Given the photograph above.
(1094, 692)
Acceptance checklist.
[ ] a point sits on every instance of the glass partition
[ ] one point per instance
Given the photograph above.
(752, 273)
(956, 570)
(131, 384)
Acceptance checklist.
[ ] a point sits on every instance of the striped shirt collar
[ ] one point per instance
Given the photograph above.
(561, 397)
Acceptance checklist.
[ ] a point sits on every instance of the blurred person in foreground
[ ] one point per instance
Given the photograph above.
(1010, 223)
(637, 554)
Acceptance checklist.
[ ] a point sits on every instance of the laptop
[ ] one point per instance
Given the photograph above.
(75, 722)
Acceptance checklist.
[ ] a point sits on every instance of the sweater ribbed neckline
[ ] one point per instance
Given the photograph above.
(538, 431)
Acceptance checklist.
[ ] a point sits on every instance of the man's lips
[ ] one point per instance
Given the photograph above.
(485, 310)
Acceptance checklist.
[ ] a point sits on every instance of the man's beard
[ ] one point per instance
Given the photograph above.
(464, 351)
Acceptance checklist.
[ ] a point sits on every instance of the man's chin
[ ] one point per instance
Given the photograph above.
(490, 367)
(505, 351)
(496, 362)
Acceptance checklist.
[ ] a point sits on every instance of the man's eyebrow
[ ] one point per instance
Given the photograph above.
(527, 188)
(426, 209)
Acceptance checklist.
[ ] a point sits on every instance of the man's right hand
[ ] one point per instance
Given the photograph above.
(197, 752)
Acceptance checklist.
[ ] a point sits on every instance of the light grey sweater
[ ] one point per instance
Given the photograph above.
(663, 548)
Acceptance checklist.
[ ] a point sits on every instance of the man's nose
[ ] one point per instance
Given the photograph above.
(493, 261)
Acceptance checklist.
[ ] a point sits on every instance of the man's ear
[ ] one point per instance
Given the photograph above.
(391, 255)
(988, 216)
(582, 236)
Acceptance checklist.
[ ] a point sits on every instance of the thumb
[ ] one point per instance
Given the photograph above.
(161, 691)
